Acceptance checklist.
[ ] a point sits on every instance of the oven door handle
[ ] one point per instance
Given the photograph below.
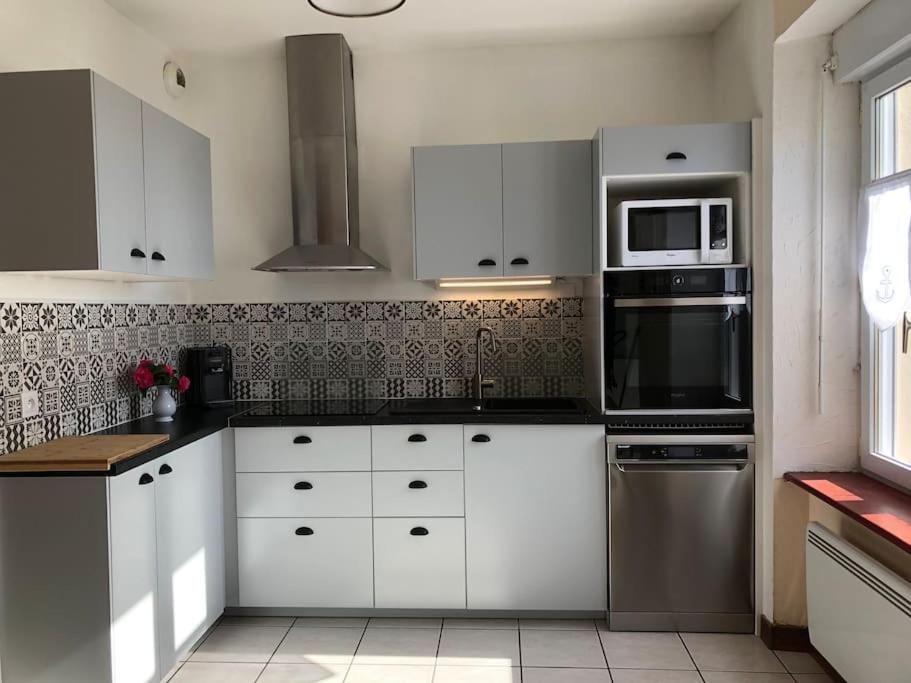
(703, 466)
(705, 235)
(680, 301)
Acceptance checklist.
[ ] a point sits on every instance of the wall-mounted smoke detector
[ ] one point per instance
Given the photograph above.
(175, 80)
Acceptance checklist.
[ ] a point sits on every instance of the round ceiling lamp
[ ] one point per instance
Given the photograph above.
(356, 8)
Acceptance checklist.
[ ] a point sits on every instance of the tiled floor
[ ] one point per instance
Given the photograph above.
(354, 650)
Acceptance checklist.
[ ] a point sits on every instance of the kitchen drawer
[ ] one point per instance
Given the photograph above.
(302, 449)
(419, 563)
(425, 494)
(709, 148)
(417, 447)
(305, 494)
(280, 564)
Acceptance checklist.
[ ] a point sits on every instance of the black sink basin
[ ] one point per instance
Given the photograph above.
(459, 406)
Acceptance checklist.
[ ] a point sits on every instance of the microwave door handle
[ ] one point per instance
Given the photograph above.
(704, 226)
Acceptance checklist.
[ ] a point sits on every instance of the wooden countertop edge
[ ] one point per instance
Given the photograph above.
(21, 462)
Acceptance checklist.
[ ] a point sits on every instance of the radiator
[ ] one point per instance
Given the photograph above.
(859, 611)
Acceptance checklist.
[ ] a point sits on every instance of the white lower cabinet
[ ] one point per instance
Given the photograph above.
(305, 562)
(411, 494)
(303, 494)
(420, 563)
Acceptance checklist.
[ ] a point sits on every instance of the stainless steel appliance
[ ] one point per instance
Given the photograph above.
(672, 232)
(681, 533)
(678, 342)
(211, 376)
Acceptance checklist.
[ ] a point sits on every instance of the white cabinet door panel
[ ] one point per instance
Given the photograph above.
(306, 494)
(420, 563)
(414, 494)
(303, 449)
(535, 515)
(417, 447)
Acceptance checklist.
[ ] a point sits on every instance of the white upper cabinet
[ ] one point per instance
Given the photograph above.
(502, 210)
(698, 149)
(94, 180)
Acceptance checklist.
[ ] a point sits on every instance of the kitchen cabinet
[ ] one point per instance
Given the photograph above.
(697, 149)
(303, 449)
(535, 516)
(502, 210)
(95, 181)
(547, 208)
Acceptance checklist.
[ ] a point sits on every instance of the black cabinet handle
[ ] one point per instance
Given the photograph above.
(521, 261)
(418, 484)
(302, 439)
(303, 486)
(480, 438)
(676, 156)
(303, 531)
(417, 438)
(137, 253)
(419, 531)
(157, 256)
(487, 262)
(146, 478)
(165, 469)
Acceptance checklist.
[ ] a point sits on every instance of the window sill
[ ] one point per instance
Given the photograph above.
(882, 509)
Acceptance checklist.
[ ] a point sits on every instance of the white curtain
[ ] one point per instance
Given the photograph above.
(884, 281)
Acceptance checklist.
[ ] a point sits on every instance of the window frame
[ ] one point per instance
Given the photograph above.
(882, 467)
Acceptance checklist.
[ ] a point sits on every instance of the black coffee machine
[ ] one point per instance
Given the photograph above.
(211, 377)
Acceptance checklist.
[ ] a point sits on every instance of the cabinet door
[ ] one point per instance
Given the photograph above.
(535, 516)
(134, 579)
(547, 208)
(119, 178)
(190, 536)
(458, 212)
(178, 197)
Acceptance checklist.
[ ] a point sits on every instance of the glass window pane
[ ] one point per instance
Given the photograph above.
(893, 134)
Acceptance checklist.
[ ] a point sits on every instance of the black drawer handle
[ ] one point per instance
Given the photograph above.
(137, 253)
(157, 256)
(417, 438)
(521, 261)
(480, 438)
(303, 531)
(419, 531)
(303, 486)
(487, 262)
(302, 439)
(418, 484)
(676, 156)
(165, 469)
(146, 478)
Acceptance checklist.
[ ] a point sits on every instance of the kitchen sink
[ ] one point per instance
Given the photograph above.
(458, 406)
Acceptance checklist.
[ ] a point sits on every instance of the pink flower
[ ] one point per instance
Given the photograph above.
(183, 384)
(145, 363)
(143, 377)
(169, 370)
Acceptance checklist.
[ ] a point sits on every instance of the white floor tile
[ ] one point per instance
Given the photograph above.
(655, 676)
(744, 677)
(558, 624)
(396, 622)
(398, 646)
(645, 651)
(548, 675)
(331, 622)
(476, 674)
(234, 643)
(257, 621)
(305, 645)
(481, 623)
(799, 662)
(303, 673)
(731, 652)
(562, 648)
(210, 672)
(389, 674)
(464, 647)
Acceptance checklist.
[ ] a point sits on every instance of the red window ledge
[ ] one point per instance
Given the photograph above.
(882, 509)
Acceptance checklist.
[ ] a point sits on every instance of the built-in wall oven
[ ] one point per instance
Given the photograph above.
(678, 342)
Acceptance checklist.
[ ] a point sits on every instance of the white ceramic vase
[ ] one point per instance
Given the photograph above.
(164, 406)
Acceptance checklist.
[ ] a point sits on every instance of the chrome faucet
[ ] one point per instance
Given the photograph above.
(478, 383)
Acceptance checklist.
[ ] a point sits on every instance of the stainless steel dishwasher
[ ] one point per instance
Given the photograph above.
(681, 533)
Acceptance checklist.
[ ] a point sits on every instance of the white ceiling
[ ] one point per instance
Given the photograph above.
(241, 25)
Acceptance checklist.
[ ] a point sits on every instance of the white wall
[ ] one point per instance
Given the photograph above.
(66, 34)
(417, 98)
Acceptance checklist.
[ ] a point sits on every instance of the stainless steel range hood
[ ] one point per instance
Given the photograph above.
(323, 158)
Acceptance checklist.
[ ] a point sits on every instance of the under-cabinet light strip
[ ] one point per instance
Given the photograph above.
(530, 282)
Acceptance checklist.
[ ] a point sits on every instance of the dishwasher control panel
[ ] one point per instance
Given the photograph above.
(659, 452)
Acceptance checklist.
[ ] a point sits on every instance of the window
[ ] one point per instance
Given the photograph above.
(886, 448)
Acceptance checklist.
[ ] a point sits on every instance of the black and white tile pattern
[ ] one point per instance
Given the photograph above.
(79, 356)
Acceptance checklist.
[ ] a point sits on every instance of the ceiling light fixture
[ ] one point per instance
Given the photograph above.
(356, 8)
(525, 282)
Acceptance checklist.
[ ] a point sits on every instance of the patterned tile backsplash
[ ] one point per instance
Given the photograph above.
(79, 357)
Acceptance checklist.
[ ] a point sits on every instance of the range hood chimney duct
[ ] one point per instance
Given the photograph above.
(323, 159)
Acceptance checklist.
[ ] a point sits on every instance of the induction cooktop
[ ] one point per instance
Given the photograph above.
(326, 407)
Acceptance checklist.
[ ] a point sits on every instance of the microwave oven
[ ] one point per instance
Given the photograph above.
(671, 232)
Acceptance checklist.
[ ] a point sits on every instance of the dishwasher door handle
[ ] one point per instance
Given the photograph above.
(658, 467)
